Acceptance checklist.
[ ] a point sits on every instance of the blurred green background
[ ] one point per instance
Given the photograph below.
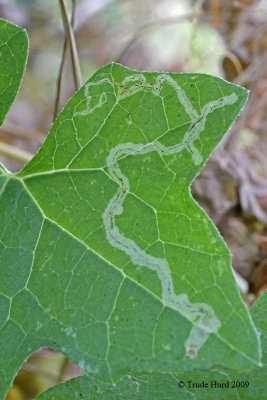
(220, 37)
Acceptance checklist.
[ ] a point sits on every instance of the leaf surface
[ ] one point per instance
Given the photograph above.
(13, 56)
(153, 387)
(105, 256)
(159, 386)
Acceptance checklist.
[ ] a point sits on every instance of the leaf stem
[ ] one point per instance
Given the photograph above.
(14, 153)
(65, 363)
(63, 59)
(11, 129)
(73, 48)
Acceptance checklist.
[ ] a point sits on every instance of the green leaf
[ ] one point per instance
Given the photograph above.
(152, 387)
(253, 382)
(13, 56)
(258, 376)
(159, 386)
(105, 256)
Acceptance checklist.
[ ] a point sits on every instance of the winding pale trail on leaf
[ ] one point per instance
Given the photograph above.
(201, 315)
